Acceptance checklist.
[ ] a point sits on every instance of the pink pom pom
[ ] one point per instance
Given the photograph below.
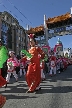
(31, 36)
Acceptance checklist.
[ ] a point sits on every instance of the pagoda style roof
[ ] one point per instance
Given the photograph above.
(59, 21)
(58, 18)
(35, 30)
(52, 23)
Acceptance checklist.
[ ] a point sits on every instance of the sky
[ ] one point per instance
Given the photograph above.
(34, 11)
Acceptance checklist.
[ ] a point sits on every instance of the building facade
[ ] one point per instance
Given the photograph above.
(12, 34)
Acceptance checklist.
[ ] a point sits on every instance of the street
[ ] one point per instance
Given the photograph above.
(56, 92)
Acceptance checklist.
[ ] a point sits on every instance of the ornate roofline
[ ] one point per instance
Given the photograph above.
(36, 29)
(58, 18)
(49, 22)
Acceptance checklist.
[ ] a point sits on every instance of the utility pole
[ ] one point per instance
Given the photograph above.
(46, 30)
(71, 12)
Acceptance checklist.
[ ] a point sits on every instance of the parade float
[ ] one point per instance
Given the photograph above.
(46, 49)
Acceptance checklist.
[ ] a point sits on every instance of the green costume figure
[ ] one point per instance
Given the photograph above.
(3, 58)
(3, 54)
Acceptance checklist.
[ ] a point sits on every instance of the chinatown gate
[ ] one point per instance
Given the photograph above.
(56, 26)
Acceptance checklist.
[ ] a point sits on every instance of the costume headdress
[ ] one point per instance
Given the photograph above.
(11, 52)
(31, 36)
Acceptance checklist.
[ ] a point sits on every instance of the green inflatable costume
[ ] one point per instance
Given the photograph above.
(3, 55)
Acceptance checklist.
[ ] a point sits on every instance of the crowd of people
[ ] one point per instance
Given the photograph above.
(33, 68)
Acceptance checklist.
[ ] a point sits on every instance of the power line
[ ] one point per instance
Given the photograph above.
(13, 13)
(19, 11)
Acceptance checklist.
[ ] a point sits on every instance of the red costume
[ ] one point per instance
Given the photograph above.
(2, 98)
(53, 65)
(33, 76)
(2, 82)
(64, 63)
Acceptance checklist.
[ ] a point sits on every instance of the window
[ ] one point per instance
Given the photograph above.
(16, 37)
(4, 39)
(19, 37)
(22, 38)
(12, 20)
(7, 19)
(4, 27)
(21, 31)
(3, 17)
(21, 46)
(18, 30)
(17, 45)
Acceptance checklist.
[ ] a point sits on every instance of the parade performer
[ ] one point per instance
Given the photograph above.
(22, 66)
(58, 65)
(11, 63)
(42, 63)
(42, 70)
(33, 76)
(3, 58)
(52, 65)
(16, 64)
(65, 63)
(3, 55)
(2, 98)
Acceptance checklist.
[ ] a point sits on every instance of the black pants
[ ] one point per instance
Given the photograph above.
(26, 68)
(61, 69)
(17, 70)
(46, 68)
(4, 72)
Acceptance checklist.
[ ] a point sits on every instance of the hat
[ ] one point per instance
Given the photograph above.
(11, 52)
(31, 36)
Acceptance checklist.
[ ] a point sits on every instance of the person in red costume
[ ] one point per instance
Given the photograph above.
(2, 98)
(42, 70)
(52, 64)
(33, 76)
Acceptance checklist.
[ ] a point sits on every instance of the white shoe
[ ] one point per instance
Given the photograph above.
(59, 72)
